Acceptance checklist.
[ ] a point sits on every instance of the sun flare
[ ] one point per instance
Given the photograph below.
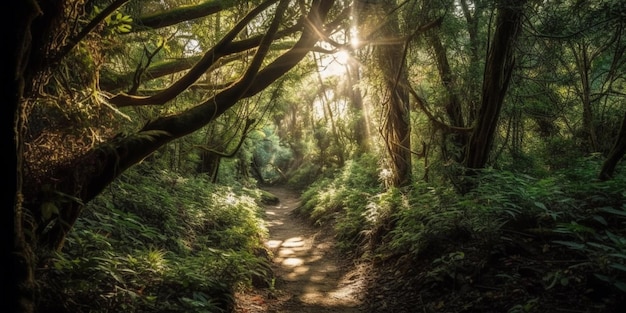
(334, 64)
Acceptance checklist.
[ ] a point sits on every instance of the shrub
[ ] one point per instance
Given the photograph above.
(342, 200)
(159, 242)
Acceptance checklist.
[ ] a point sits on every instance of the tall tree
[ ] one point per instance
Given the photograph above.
(498, 70)
(458, 33)
(390, 60)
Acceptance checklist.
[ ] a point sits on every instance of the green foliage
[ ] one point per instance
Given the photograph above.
(427, 213)
(596, 229)
(445, 267)
(563, 231)
(343, 200)
(501, 199)
(305, 175)
(156, 241)
(271, 156)
(116, 23)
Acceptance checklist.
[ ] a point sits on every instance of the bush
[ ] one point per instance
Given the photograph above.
(159, 243)
(342, 200)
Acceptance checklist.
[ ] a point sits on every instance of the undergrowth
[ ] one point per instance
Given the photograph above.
(515, 243)
(341, 201)
(159, 243)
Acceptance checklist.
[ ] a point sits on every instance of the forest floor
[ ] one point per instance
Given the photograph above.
(310, 275)
(520, 273)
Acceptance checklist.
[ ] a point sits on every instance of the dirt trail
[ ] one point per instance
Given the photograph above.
(311, 276)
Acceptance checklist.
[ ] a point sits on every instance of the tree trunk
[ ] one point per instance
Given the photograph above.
(18, 252)
(361, 127)
(209, 164)
(616, 153)
(583, 65)
(453, 103)
(396, 127)
(498, 70)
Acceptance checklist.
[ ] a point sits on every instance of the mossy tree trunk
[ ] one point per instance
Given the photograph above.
(396, 128)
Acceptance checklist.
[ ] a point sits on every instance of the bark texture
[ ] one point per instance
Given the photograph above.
(396, 127)
(498, 70)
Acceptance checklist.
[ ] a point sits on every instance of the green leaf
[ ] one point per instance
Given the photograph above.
(618, 255)
(124, 28)
(600, 220)
(618, 266)
(128, 270)
(571, 244)
(126, 19)
(603, 277)
(540, 205)
(619, 213)
(619, 240)
(620, 285)
(601, 246)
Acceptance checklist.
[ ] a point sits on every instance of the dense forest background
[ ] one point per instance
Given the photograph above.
(469, 149)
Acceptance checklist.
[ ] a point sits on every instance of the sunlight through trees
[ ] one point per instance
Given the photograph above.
(383, 102)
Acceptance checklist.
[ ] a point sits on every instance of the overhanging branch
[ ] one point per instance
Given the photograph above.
(209, 58)
(180, 14)
(124, 152)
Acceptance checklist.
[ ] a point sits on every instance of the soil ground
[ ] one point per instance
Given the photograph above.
(311, 276)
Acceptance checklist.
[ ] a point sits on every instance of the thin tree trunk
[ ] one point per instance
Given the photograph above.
(453, 103)
(17, 274)
(616, 154)
(583, 65)
(361, 128)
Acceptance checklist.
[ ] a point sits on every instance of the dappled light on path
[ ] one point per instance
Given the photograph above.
(310, 274)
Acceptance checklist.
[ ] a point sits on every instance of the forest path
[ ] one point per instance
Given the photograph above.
(311, 276)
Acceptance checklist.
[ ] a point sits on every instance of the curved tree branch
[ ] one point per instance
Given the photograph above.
(72, 42)
(433, 119)
(180, 14)
(209, 58)
(114, 81)
(231, 154)
(123, 152)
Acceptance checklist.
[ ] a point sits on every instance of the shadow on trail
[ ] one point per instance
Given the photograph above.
(311, 275)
